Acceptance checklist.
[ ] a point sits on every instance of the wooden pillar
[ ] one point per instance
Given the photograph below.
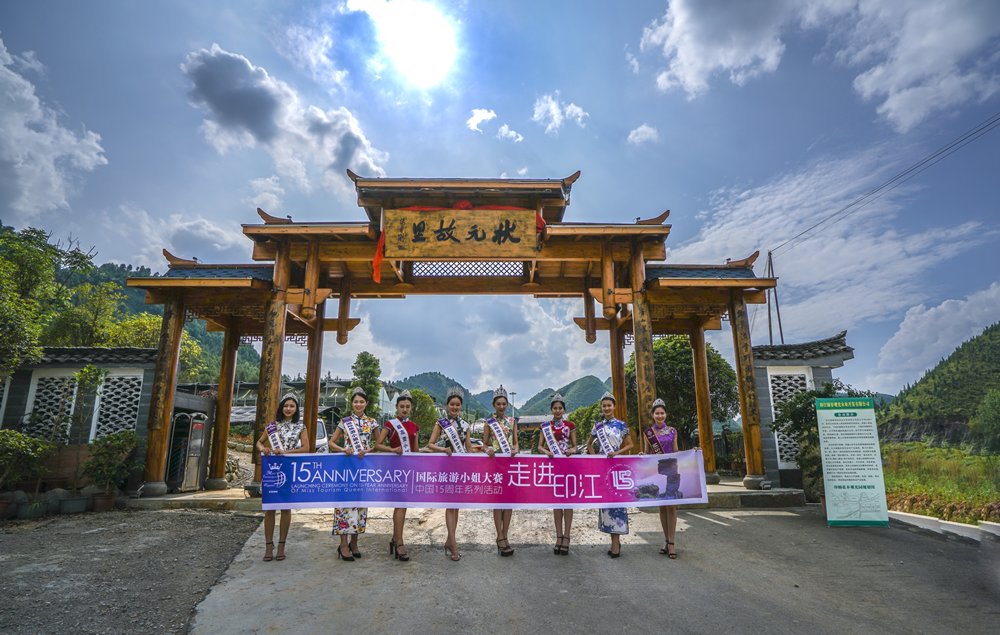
(314, 372)
(703, 400)
(749, 408)
(608, 280)
(161, 405)
(223, 409)
(344, 309)
(590, 322)
(618, 370)
(642, 329)
(311, 281)
(271, 349)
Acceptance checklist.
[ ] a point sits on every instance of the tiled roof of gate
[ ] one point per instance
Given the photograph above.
(807, 350)
(98, 355)
(216, 272)
(708, 273)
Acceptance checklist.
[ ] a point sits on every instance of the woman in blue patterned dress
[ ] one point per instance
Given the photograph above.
(666, 438)
(613, 439)
(294, 439)
(348, 522)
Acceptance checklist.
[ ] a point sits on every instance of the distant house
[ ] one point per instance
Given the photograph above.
(783, 371)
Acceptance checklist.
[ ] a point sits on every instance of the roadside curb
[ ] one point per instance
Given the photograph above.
(962, 532)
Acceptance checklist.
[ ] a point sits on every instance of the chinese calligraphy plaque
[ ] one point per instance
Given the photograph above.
(483, 234)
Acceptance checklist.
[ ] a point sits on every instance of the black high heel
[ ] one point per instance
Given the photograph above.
(402, 557)
(564, 550)
(557, 550)
(268, 558)
(613, 554)
(504, 551)
(392, 546)
(341, 556)
(282, 556)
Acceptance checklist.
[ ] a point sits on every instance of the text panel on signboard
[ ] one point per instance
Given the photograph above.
(852, 462)
(486, 234)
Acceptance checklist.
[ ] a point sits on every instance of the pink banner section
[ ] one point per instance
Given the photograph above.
(523, 481)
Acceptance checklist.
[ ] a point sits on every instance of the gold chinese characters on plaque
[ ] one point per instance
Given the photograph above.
(481, 234)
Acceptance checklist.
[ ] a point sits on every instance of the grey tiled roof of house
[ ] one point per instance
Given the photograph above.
(98, 355)
(215, 272)
(806, 350)
(709, 273)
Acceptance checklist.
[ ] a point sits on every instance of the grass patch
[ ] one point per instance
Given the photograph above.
(942, 482)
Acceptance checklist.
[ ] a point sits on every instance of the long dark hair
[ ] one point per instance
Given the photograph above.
(281, 410)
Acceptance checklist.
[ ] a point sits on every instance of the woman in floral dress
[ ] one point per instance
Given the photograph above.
(666, 438)
(348, 522)
(508, 427)
(451, 434)
(612, 438)
(564, 437)
(294, 439)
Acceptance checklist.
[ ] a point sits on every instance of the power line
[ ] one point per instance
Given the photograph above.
(897, 180)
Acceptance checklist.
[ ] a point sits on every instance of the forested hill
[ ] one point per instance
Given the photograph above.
(953, 389)
(581, 392)
(437, 385)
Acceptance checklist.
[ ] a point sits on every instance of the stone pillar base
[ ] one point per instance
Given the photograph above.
(216, 484)
(756, 481)
(156, 488)
(712, 478)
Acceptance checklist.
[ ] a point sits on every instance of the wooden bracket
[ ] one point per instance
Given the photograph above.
(746, 263)
(654, 221)
(620, 295)
(174, 260)
(273, 220)
(302, 296)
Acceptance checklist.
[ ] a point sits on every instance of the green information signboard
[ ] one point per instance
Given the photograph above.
(852, 463)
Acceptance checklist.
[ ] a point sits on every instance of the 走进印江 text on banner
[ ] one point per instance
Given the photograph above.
(297, 481)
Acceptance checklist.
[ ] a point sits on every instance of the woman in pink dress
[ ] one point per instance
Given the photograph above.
(558, 438)
(666, 438)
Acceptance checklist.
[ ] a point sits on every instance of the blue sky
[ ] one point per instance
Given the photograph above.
(139, 126)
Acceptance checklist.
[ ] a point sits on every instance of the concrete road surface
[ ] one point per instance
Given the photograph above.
(739, 571)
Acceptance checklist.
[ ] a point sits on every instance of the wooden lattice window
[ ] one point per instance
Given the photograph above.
(469, 268)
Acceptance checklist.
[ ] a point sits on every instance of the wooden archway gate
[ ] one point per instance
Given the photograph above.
(500, 237)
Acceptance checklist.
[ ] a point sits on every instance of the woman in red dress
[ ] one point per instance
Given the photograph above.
(402, 435)
(558, 438)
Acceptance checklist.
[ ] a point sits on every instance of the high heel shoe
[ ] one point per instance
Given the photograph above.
(402, 557)
(341, 556)
(268, 558)
(557, 550)
(455, 556)
(613, 554)
(564, 550)
(356, 554)
(504, 551)
(280, 557)
(392, 546)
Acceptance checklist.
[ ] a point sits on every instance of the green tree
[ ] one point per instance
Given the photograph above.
(987, 420)
(675, 386)
(585, 417)
(19, 328)
(366, 371)
(423, 413)
(143, 331)
(88, 320)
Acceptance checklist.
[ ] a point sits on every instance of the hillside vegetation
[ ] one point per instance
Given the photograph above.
(437, 385)
(581, 392)
(952, 391)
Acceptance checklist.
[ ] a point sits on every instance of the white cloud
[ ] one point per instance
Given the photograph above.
(249, 107)
(39, 158)
(28, 61)
(479, 115)
(307, 48)
(503, 175)
(928, 335)
(506, 133)
(633, 63)
(642, 134)
(859, 271)
(184, 235)
(917, 58)
(523, 171)
(267, 193)
(551, 113)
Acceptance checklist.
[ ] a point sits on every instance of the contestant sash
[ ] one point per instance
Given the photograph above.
(497, 430)
(550, 439)
(654, 442)
(404, 438)
(449, 429)
(272, 436)
(602, 438)
(353, 434)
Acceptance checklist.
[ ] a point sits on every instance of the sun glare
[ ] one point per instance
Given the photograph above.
(415, 36)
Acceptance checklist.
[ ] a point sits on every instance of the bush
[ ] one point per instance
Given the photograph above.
(21, 456)
(110, 461)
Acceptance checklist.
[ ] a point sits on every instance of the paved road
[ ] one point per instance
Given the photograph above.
(740, 571)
